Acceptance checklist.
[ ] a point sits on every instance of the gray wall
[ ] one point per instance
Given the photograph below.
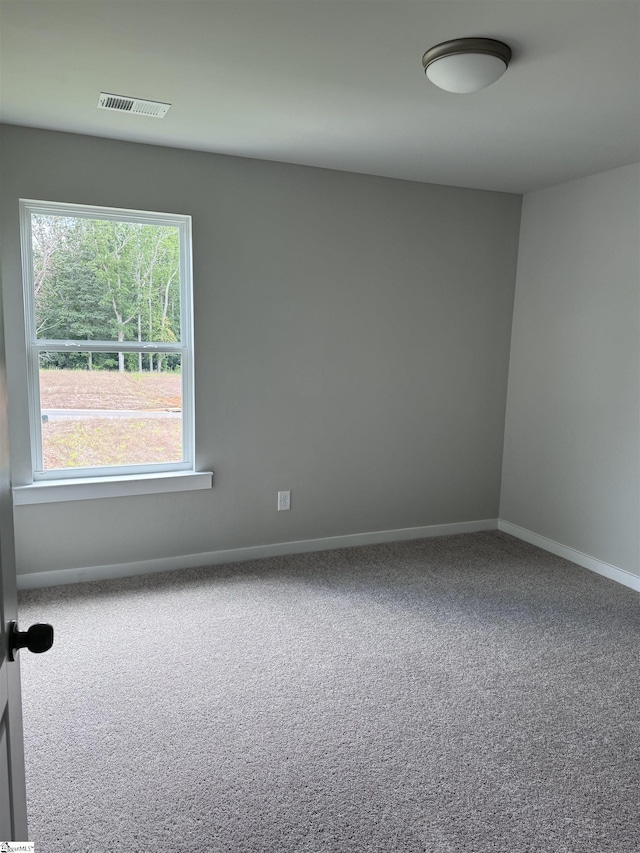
(572, 439)
(352, 338)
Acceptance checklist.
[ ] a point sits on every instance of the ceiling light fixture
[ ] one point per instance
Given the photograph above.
(466, 65)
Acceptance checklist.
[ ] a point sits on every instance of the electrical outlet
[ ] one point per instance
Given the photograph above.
(284, 500)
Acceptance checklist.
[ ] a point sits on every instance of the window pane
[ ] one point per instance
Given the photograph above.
(100, 280)
(110, 409)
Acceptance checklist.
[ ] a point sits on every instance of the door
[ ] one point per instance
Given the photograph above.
(13, 800)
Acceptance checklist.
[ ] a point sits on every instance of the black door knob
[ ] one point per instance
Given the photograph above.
(38, 639)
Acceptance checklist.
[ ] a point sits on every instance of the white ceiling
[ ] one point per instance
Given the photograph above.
(338, 83)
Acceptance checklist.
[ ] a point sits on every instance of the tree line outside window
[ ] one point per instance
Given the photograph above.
(106, 280)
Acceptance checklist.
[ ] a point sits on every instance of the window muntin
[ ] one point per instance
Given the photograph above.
(109, 330)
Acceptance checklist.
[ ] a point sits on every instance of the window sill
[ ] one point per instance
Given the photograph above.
(53, 491)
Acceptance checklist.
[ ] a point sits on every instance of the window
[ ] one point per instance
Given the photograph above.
(109, 340)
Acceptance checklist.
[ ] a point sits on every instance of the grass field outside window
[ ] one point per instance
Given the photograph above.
(107, 418)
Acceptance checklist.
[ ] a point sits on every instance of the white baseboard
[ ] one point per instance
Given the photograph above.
(584, 560)
(56, 577)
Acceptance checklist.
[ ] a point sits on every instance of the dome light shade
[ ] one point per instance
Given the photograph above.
(466, 65)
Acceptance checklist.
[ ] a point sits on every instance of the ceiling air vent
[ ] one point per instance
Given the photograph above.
(136, 106)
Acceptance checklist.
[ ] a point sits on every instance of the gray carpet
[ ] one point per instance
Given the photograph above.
(467, 693)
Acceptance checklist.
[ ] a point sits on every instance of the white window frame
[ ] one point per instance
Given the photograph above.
(106, 476)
